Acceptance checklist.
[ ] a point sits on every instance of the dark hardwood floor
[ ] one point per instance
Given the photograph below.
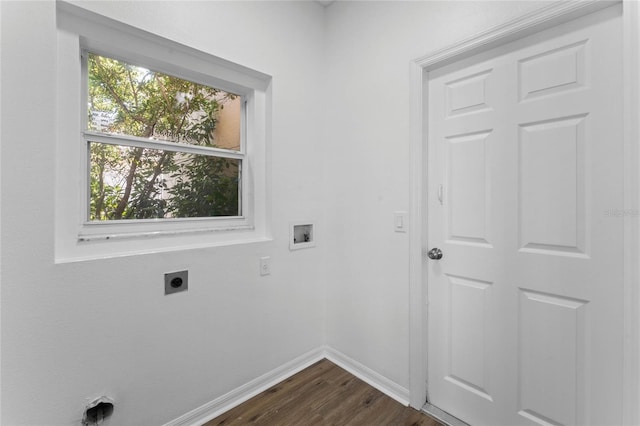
(323, 394)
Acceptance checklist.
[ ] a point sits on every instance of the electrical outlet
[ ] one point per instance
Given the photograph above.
(265, 265)
(175, 282)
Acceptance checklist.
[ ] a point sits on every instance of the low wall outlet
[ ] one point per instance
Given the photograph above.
(175, 282)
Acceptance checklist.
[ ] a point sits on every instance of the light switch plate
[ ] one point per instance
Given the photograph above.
(400, 221)
(265, 265)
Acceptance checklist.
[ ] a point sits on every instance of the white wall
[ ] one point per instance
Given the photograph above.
(71, 332)
(369, 46)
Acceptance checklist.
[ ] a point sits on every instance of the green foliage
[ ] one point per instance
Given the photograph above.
(137, 183)
(206, 186)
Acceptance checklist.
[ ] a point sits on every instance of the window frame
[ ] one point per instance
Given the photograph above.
(77, 237)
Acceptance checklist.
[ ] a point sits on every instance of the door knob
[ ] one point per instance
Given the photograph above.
(435, 253)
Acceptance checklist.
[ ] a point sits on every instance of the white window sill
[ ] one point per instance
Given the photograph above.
(92, 250)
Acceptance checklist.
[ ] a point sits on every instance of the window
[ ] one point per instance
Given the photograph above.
(159, 146)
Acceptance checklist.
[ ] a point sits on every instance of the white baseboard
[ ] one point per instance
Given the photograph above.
(247, 391)
(226, 402)
(367, 375)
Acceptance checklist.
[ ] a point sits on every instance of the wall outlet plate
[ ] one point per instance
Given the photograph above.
(265, 265)
(175, 282)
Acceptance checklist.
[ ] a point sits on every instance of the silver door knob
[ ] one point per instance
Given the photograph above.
(435, 253)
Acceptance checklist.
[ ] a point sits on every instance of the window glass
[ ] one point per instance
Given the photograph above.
(163, 184)
(130, 100)
(131, 175)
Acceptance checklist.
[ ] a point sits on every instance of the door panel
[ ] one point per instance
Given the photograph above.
(525, 307)
(552, 173)
(468, 188)
(467, 94)
(551, 364)
(470, 305)
(553, 71)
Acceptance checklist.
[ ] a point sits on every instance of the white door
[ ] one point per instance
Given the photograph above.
(525, 185)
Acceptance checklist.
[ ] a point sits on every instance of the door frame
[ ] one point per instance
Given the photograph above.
(538, 20)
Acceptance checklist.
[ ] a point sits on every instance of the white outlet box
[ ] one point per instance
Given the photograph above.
(301, 235)
(265, 265)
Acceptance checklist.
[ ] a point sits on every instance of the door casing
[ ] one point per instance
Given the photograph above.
(536, 21)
